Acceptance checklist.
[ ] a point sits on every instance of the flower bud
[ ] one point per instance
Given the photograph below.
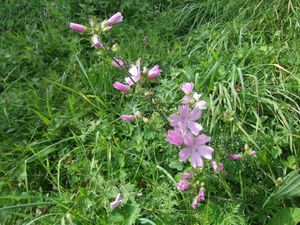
(183, 185)
(187, 175)
(128, 118)
(235, 156)
(77, 27)
(121, 87)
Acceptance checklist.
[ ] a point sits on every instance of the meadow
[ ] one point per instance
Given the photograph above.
(69, 156)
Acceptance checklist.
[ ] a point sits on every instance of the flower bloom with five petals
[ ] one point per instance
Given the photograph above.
(186, 120)
(196, 149)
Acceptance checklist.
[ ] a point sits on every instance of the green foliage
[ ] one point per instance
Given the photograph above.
(287, 216)
(65, 154)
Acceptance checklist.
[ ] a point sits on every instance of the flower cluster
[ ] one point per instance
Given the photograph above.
(184, 184)
(96, 29)
(187, 131)
(248, 152)
(135, 75)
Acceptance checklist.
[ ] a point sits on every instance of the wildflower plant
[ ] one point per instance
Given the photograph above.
(187, 133)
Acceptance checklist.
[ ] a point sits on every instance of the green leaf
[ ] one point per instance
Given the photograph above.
(290, 187)
(176, 165)
(287, 216)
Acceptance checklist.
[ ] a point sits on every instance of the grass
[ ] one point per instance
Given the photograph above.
(64, 152)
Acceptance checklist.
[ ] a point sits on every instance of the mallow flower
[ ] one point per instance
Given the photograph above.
(116, 18)
(196, 150)
(235, 156)
(183, 185)
(117, 201)
(175, 137)
(96, 42)
(199, 103)
(118, 63)
(199, 197)
(186, 120)
(187, 175)
(128, 118)
(135, 71)
(154, 72)
(187, 88)
(216, 168)
(77, 27)
(121, 87)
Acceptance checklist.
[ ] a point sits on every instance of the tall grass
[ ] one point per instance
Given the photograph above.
(64, 152)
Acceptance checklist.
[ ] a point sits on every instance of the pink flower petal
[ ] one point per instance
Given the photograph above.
(205, 151)
(186, 99)
(184, 154)
(116, 18)
(194, 127)
(196, 160)
(184, 111)
(195, 114)
(187, 88)
(202, 139)
(174, 137)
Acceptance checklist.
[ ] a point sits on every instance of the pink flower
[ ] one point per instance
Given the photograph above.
(196, 149)
(183, 185)
(252, 153)
(121, 87)
(116, 18)
(128, 118)
(117, 201)
(187, 175)
(118, 63)
(200, 104)
(154, 72)
(77, 27)
(96, 42)
(186, 99)
(221, 167)
(235, 156)
(186, 119)
(174, 137)
(201, 194)
(187, 88)
(199, 197)
(216, 167)
(195, 202)
(135, 71)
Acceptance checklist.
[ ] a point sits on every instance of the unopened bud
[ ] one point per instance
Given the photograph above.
(115, 48)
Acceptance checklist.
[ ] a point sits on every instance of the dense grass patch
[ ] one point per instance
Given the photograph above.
(65, 154)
